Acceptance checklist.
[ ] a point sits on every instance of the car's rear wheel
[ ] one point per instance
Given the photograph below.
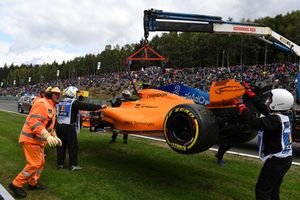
(190, 128)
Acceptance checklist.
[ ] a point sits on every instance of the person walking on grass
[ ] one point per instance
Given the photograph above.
(38, 130)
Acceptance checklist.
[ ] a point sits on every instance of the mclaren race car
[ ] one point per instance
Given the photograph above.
(188, 127)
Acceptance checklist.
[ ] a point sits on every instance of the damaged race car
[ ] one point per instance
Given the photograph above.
(187, 127)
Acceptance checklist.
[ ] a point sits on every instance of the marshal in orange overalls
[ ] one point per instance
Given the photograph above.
(42, 115)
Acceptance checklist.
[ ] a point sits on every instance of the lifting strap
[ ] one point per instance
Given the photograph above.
(147, 51)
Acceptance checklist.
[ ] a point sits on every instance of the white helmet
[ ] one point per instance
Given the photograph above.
(126, 93)
(71, 91)
(280, 100)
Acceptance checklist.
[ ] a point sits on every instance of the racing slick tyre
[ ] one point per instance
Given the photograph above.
(190, 128)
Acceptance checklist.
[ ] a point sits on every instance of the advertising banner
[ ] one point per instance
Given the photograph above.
(196, 95)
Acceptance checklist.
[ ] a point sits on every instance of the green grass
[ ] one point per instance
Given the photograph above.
(142, 169)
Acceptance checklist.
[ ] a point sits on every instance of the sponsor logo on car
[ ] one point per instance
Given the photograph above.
(157, 95)
(227, 89)
(135, 123)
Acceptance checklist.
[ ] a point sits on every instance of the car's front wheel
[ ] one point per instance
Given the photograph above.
(190, 128)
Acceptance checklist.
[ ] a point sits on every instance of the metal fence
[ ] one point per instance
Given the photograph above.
(8, 99)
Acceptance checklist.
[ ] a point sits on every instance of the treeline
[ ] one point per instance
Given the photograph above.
(180, 49)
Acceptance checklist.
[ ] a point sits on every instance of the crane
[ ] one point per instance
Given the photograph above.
(158, 20)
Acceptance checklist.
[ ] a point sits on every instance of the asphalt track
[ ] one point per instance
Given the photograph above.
(247, 149)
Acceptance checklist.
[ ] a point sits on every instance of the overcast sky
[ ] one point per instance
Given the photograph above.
(38, 31)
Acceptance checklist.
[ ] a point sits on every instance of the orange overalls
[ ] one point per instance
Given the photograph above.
(36, 99)
(42, 115)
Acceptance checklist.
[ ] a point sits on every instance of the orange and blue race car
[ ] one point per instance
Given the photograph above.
(188, 127)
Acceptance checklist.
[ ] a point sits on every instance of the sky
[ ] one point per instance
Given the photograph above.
(43, 31)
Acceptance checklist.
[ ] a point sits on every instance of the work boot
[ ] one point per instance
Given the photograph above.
(60, 166)
(38, 186)
(125, 138)
(114, 136)
(221, 162)
(75, 167)
(112, 141)
(18, 191)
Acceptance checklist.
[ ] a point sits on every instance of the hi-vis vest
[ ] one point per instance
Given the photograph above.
(64, 109)
(42, 115)
(64, 113)
(286, 140)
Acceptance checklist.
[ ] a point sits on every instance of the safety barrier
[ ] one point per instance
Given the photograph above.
(8, 99)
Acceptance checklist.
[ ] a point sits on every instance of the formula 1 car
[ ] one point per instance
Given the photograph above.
(188, 127)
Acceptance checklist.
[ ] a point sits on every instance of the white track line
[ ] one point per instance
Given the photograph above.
(211, 149)
(5, 194)
(11, 112)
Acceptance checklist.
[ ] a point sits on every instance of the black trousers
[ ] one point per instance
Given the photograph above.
(115, 135)
(68, 136)
(224, 146)
(270, 178)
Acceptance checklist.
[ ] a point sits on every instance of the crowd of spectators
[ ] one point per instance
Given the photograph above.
(281, 75)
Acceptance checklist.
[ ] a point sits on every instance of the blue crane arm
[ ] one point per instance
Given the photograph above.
(158, 20)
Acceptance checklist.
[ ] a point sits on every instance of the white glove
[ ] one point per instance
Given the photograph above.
(52, 141)
(59, 141)
(53, 133)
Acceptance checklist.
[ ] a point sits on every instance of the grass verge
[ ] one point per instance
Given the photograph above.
(142, 169)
